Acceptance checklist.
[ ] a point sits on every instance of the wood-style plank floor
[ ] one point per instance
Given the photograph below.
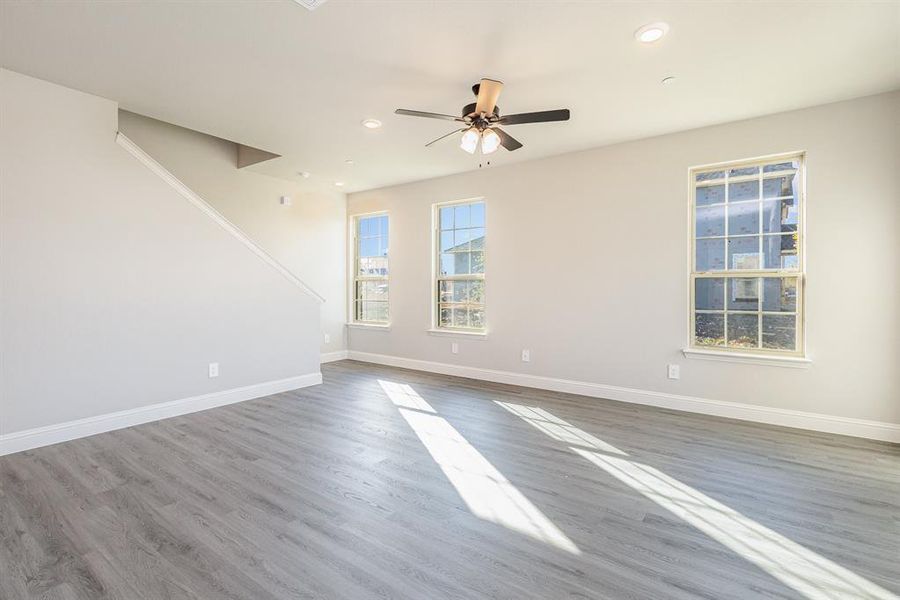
(388, 483)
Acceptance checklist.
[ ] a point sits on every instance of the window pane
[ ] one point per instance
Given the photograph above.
(460, 316)
(476, 292)
(476, 218)
(447, 217)
(368, 247)
(743, 190)
(445, 291)
(445, 317)
(780, 294)
(779, 332)
(743, 331)
(710, 221)
(710, 194)
(709, 293)
(372, 267)
(774, 187)
(461, 240)
(477, 262)
(780, 216)
(742, 171)
(743, 253)
(476, 235)
(460, 291)
(461, 216)
(383, 226)
(375, 290)
(446, 241)
(781, 166)
(743, 218)
(780, 251)
(743, 293)
(476, 317)
(374, 311)
(448, 263)
(709, 329)
(710, 255)
(709, 175)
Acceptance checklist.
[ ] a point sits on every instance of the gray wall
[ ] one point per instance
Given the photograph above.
(586, 263)
(116, 292)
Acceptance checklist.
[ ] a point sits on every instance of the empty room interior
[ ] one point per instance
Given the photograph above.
(457, 300)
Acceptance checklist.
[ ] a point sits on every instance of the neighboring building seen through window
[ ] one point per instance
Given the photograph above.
(747, 274)
(371, 294)
(459, 281)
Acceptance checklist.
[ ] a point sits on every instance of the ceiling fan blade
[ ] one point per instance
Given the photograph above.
(507, 141)
(543, 116)
(429, 115)
(488, 92)
(444, 136)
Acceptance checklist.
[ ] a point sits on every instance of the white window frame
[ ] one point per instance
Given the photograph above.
(355, 277)
(758, 354)
(436, 276)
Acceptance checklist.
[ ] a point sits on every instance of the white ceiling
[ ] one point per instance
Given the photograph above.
(276, 76)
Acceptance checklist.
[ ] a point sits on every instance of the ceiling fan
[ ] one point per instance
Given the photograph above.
(482, 118)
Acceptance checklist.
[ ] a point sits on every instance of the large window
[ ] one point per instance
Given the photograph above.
(747, 274)
(459, 268)
(370, 279)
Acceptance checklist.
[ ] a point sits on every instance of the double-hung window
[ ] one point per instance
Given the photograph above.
(370, 279)
(459, 266)
(747, 256)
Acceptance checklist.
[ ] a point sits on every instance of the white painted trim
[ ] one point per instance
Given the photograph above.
(876, 430)
(63, 432)
(328, 357)
(211, 212)
(369, 326)
(793, 362)
(461, 333)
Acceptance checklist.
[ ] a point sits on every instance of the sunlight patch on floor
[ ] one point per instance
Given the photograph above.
(487, 493)
(805, 571)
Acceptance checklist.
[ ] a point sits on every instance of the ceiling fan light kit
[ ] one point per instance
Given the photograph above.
(482, 119)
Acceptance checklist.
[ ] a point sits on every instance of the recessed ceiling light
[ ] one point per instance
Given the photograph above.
(371, 123)
(668, 80)
(339, 183)
(349, 161)
(651, 32)
(303, 174)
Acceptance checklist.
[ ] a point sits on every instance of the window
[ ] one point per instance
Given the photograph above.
(747, 266)
(459, 256)
(370, 279)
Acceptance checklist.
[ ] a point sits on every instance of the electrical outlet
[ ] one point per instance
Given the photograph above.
(213, 370)
(454, 348)
(674, 372)
(327, 339)
(526, 355)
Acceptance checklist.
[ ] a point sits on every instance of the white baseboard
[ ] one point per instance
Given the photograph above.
(328, 357)
(63, 432)
(876, 430)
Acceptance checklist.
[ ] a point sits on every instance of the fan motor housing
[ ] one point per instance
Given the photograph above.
(469, 109)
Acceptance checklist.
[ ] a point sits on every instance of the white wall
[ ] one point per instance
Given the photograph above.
(308, 237)
(586, 263)
(117, 292)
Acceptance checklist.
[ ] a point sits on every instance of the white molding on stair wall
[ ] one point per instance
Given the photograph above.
(63, 432)
(876, 430)
(328, 357)
(211, 212)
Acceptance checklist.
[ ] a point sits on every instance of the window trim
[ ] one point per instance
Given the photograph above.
(436, 269)
(738, 354)
(353, 277)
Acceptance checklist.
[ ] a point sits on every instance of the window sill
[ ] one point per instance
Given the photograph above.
(477, 335)
(385, 327)
(794, 362)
